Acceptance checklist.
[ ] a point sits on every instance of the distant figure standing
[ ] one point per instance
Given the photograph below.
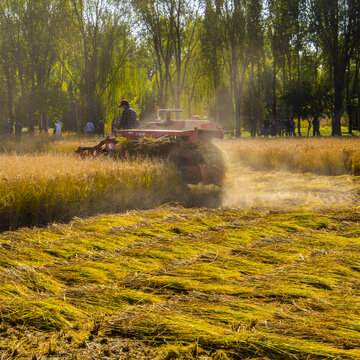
(89, 128)
(253, 126)
(9, 127)
(273, 127)
(101, 128)
(287, 126)
(128, 116)
(266, 125)
(316, 125)
(58, 126)
(282, 127)
(292, 127)
(18, 128)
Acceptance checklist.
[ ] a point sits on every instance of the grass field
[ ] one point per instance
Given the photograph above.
(274, 273)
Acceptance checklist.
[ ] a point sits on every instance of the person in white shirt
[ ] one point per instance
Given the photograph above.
(58, 126)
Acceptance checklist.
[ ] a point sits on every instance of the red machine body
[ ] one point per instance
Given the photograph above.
(191, 129)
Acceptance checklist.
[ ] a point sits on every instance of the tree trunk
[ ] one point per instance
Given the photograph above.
(237, 95)
(91, 88)
(274, 80)
(10, 94)
(349, 109)
(339, 75)
(259, 88)
(299, 86)
(217, 111)
(237, 113)
(355, 92)
(31, 106)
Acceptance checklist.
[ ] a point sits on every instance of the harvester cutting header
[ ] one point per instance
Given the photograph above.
(185, 143)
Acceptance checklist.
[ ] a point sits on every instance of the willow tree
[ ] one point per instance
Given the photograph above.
(353, 92)
(169, 29)
(8, 31)
(156, 18)
(31, 35)
(337, 26)
(235, 50)
(255, 34)
(95, 48)
(211, 49)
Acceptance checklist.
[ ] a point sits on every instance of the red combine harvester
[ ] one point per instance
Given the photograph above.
(193, 130)
(185, 143)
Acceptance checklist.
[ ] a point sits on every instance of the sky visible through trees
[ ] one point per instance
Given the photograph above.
(225, 60)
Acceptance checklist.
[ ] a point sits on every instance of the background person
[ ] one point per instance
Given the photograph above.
(101, 128)
(57, 129)
(89, 128)
(253, 126)
(9, 127)
(316, 125)
(18, 128)
(267, 125)
(292, 127)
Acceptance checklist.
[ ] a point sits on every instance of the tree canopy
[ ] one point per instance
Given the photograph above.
(225, 60)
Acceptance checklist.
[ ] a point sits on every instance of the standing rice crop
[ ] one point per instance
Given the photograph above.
(43, 188)
(43, 143)
(324, 156)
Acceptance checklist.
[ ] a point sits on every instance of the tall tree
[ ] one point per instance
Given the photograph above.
(157, 18)
(236, 54)
(31, 40)
(94, 51)
(170, 29)
(211, 49)
(337, 24)
(255, 30)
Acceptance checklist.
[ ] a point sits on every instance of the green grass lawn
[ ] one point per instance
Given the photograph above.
(172, 283)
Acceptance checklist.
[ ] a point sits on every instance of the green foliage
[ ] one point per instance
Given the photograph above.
(225, 60)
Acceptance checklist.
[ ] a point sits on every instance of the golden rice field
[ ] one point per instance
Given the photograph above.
(38, 189)
(323, 156)
(28, 144)
(272, 273)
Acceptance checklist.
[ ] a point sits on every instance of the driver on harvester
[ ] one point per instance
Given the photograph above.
(128, 118)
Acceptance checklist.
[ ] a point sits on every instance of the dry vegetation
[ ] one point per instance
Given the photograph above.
(281, 282)
(28, 144)
(323, 156)
(43, 188)
(183, 284)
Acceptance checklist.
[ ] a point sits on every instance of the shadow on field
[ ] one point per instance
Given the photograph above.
(204, 196)
(109, 202)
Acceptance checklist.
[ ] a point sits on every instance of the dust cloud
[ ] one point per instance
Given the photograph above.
(280, 190)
